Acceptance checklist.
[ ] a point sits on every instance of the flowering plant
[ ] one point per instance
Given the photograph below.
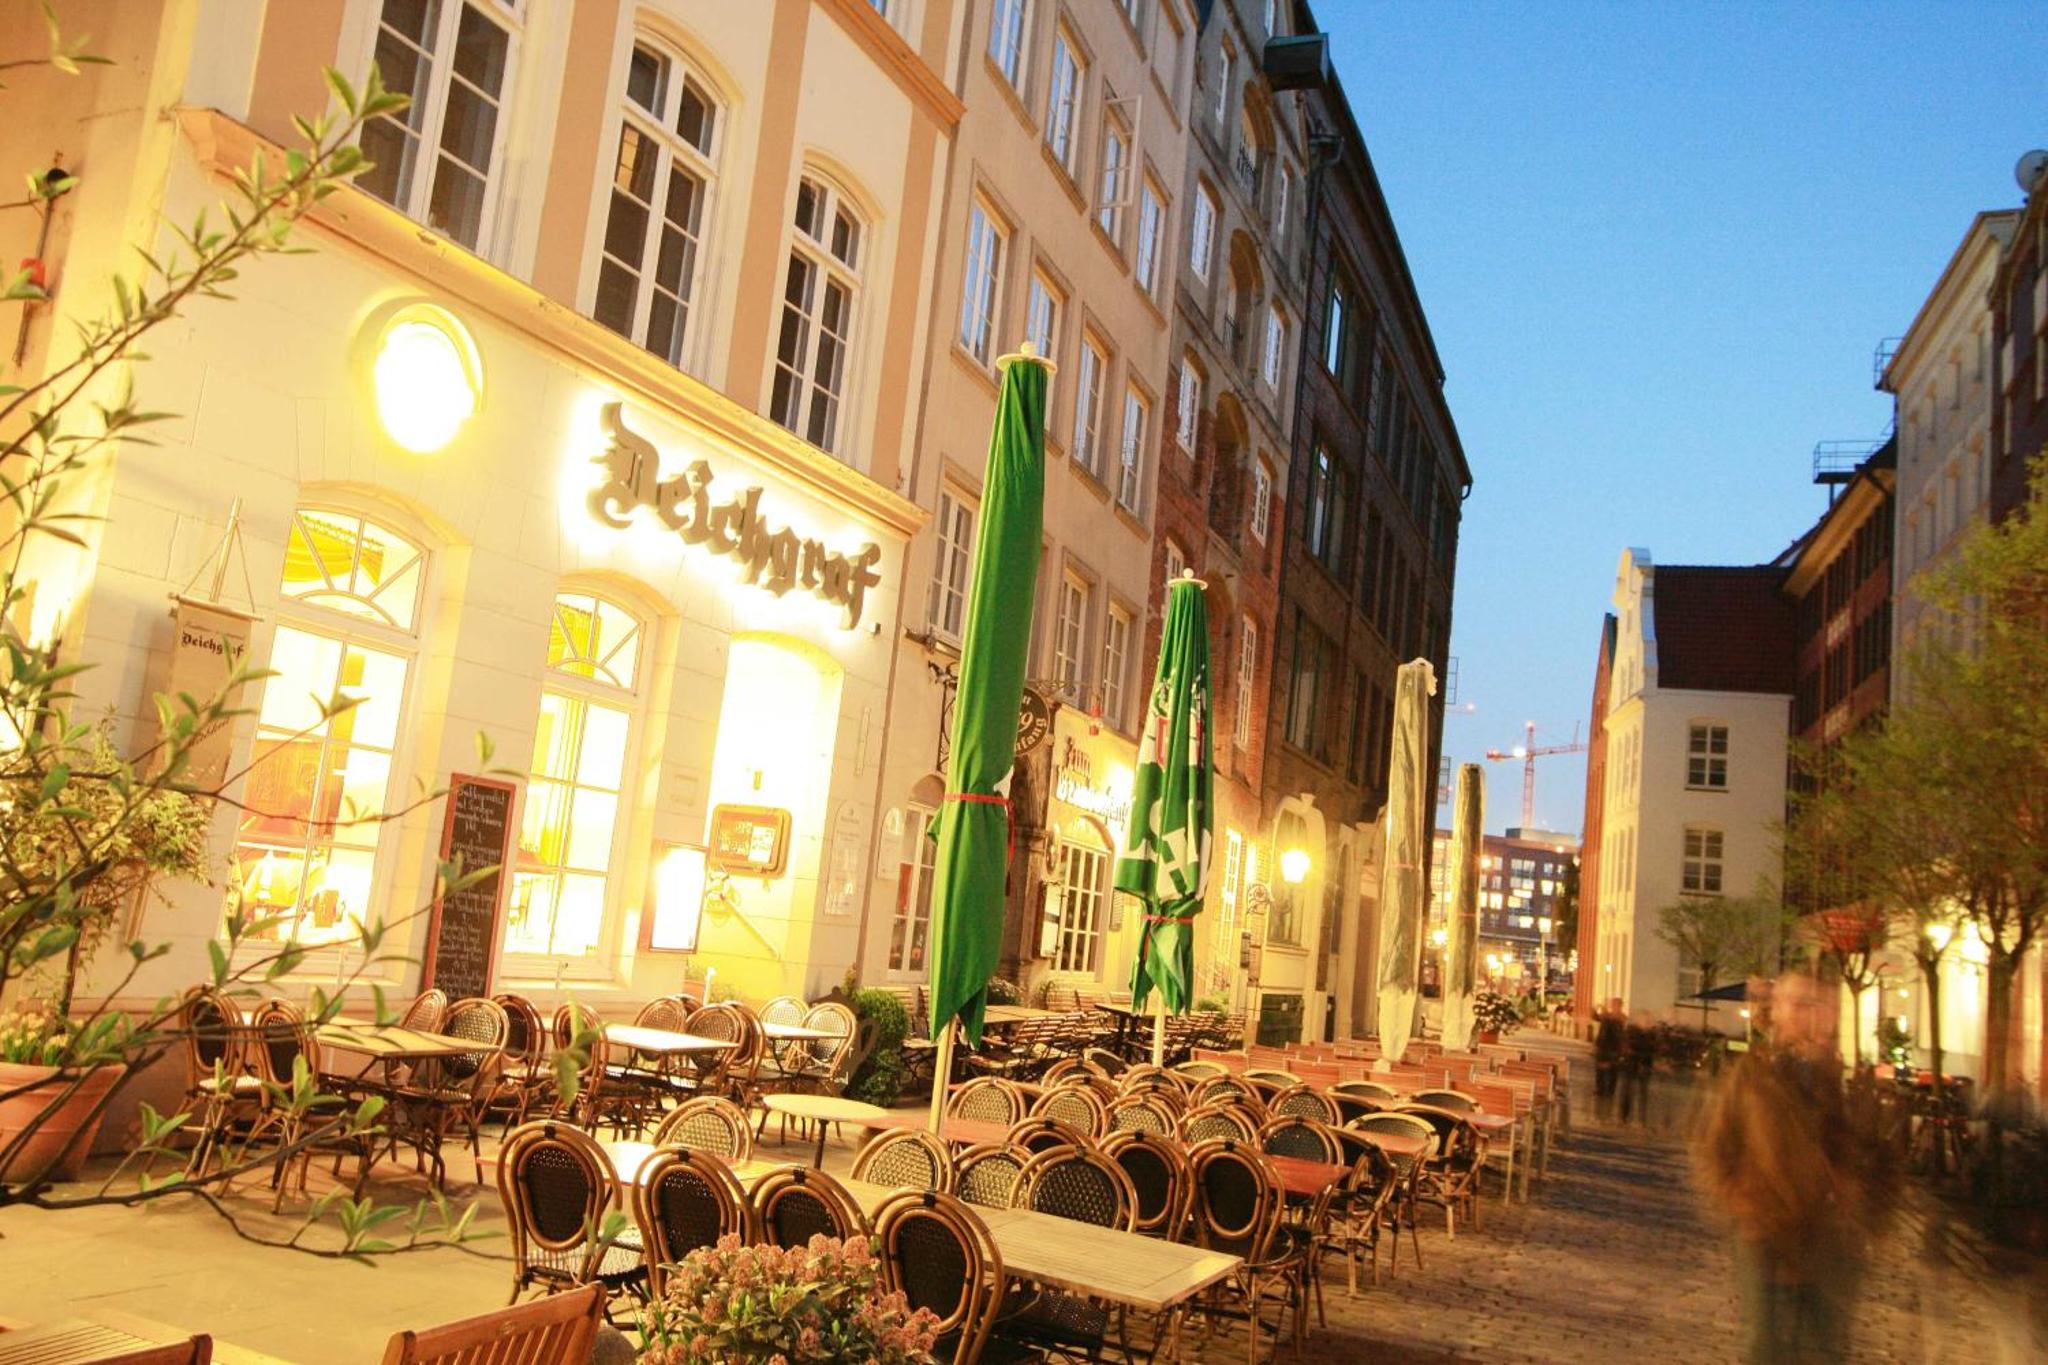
(1493, 1012)
(820, 1304)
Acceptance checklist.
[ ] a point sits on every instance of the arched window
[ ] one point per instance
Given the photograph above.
(660, 189)
(582, 745)
(818, 297)
(328, 727)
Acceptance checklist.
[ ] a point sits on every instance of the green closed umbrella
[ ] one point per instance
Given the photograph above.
(973, 827)
(1165, 859)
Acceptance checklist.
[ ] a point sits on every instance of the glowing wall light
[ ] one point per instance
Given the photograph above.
(679, 882)
(427, 378)
(1294, 866)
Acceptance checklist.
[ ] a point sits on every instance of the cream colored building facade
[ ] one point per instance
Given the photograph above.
(665, 253)
(1062, 228)
(1667, 829)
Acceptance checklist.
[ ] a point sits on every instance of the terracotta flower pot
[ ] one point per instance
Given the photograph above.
(60, 1144)
(1489, 1035)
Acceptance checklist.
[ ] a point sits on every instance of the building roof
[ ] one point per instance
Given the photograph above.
(1724, 629)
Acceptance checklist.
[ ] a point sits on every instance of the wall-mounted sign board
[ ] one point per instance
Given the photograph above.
(750, 840)
(462, 937)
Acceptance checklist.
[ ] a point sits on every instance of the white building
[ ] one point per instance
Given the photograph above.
(1696, 722)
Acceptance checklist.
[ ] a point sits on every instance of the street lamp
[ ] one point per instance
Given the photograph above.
(1543, 925)
(1294, 865)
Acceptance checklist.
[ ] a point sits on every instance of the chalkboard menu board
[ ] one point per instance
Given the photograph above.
(462, 942)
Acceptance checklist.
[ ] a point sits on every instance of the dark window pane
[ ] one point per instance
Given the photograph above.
(615, 288)
(480, 48)
(782, 403)
(696, 117)
(846, 238)
(416, 19)
(456, 204)
(665, 327)
(389, 147)
(676, 265)
(685, 199)
(405, 73)
(807, 206)
(469, 127)
(637, 158)
(625, 231)
(646, 77)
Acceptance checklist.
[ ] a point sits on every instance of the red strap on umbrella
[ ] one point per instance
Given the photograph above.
(1010, 843)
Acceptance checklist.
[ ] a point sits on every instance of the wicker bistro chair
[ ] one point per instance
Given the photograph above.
(1363, 1207)
(426, 1011)
(525, 1077)
(557, 1328)
(684, 1200)
(586, 1104)
(1217, 1122)
(709, 1123)
(1356, 1099)
(938, 1253)
(1082, 1184)
(988, 1098)
(1193, 1073)
(1225, 1090)
(1037, 1135)
(792, 1204)
(220, 1092)
(710, 1070)
(1306, 1102)
(557, 1185)
(905, 1159)
(986, 1174)
(1077, 1106)
(1236, 1206)
(1141, 1113)
(1158, 1171)
(1302, 1139)
(789, 1055)
(1406, 1200)
(1067, 1067)
(284, 1050)
(1450, 1176)
(450, 1092)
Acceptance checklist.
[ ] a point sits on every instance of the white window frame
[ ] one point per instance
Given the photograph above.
(1116, 666)
(1702, 865)
(414, 196)
(673, 155)
(1336, 315)
(1130, 484)
(1175, 561)
(1202, 232)
(1070, 636)
(828, 269)
(1262, 500)
(1283, 198)
(1247, 679)
(1223, 957)
(1702, 758)
(1187, 421)
(913, 908)
(1084, 871)
(1093, 380)
(1065, 92)
(1009, 38)
(1151, 234)
(953, 530)
(1116, 165)
(1271, 356)
(981, 279)
(1044, 308)
(1226, 58)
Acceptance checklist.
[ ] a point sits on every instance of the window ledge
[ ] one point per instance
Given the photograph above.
(1133, 521)
(1063, 176)
(1714, 791)
(1011, 95)
(980, 371)
(1089, 480)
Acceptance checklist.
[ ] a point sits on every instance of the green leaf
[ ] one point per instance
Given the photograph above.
(219, 955)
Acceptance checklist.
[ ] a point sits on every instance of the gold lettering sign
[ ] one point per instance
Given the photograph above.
(771, 557)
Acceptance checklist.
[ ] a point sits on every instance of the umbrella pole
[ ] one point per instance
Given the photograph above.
(942, 1074)
(1158, 1027)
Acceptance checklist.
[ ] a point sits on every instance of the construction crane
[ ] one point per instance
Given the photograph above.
(1528, 752)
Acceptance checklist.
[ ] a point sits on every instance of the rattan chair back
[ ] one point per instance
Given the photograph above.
(905, 1159)
(1079, 1183)
(556, 1184)
(792, 1204)
(546, 1331)
(1455, 1137)
(526, 1038)
(986, 1174)
(708, 1123)
(1193, 1073)
(1067, 1067)
(214, 1035)
(425, 1011)
(938, 1253)
(987, 1098)
(664, 1012)
(1393, 1122)
(1456, 1101)
(280, 1038)
(722, 1023)
(1235, 1199)
(1145, 1071)
(684, 1200)
(1143, 1113)
(1305, 1102)
(570, 1020)
(1301, 1138)
(1077, 1106)
(1105, 1061)
(1038, 1134)
(831, 1057)
(788, 1054)
(1216, 1123)
(475, 1020)
(1158, 1171)
(1226, 1089)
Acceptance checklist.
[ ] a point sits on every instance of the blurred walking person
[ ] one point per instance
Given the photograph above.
(1608, 1035)
(1638, 1060)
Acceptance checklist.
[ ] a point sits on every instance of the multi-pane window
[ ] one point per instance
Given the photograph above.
(1202, 232)
(1151, 229)
(306, 848)
(1070, 629)
(1130, 483)
(1176, 565)
(1223, 963)
(1335, 316)
(1081, 909)
(654, 226)
(1247, 678)
(1224, 60)
(1088, 398)
(981, 282)
(1042, 314)
(1320, 499)
(1189, 405)
(435, 160)
(1273, 356)
(1305, 686)
(1706, 757)
(1063, 102)
(945, 610)
(1262, 500)
(1700, 872)
(1006, 39)
(1109, 204)
(570, 819)
(910, 924)
(1116, 661)
(817, 314)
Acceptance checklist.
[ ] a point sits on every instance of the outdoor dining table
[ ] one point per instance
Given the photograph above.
(109, 1333)
(661, 1042)
(394, 1042)
(796, 1033)
(821, 1110)
(1003, 1016)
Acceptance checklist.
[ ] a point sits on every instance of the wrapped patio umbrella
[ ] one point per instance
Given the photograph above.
(971, 862)
(1461, 921)
(1165, 859)
(1403, 883)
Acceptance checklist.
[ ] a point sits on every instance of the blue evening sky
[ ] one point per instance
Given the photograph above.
(1657, 244)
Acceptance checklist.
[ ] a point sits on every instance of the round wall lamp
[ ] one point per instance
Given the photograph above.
(426, 376)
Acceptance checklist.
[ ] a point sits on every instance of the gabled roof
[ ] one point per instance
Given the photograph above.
(1724, 629)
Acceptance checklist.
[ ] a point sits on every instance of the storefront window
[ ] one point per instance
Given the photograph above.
(910, 931)
(569, 827)
(1081, 918)
(320, 777)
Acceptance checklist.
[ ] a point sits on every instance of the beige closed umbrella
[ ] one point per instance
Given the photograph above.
(1461, 919)
(1404, 880)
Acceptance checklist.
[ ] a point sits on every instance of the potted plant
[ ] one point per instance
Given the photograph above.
(820, 1304)
(1493, 1014)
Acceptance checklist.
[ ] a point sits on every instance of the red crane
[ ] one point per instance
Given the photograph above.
(1528, 752)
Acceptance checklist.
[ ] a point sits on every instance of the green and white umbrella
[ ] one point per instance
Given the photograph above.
(1404, 881)
(1461, 921)
(1165, 858)
(971, 861)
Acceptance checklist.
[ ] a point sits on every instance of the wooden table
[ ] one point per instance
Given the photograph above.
(76, 1341)
(958, 1131)
(1005, 1015)
(821, 1110)
(796, 1033)
(392, 1043)
(661, 1042)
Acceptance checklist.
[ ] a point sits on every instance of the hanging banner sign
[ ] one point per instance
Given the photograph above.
(209, 643)
(772, 557)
